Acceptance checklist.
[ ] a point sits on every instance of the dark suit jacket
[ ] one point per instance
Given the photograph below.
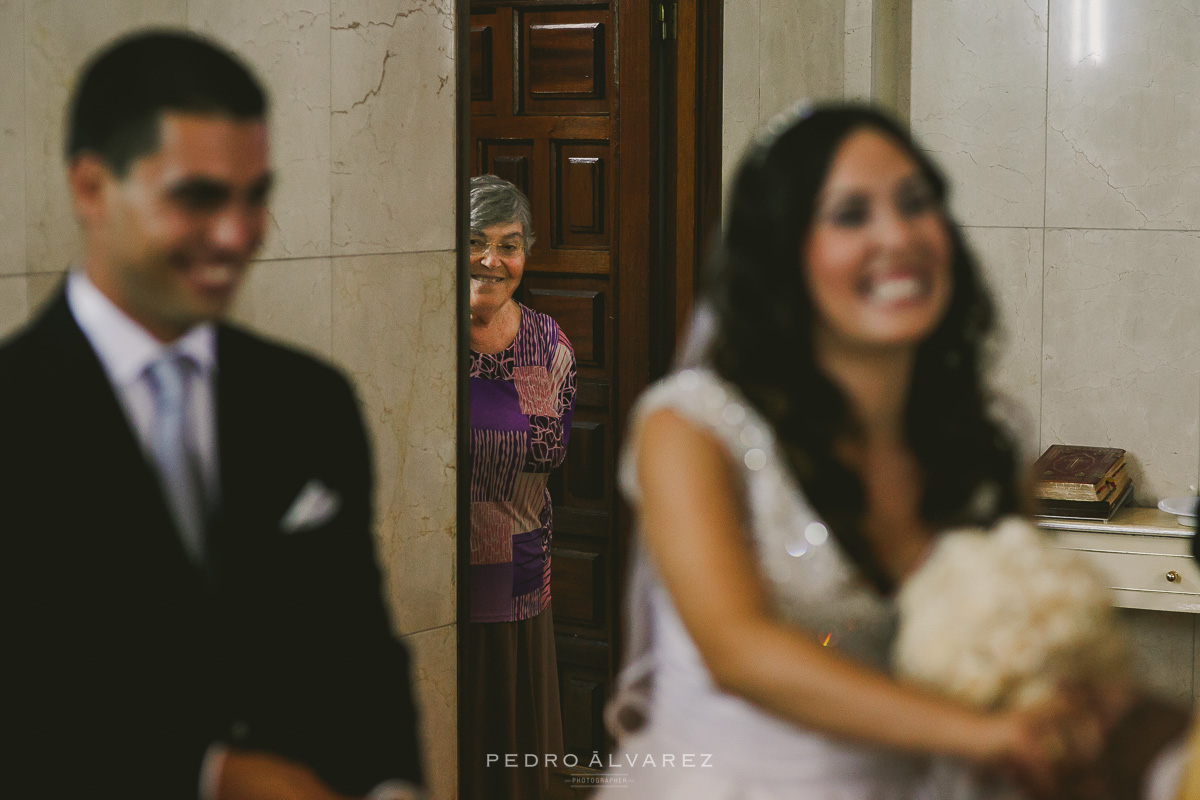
(129, 661)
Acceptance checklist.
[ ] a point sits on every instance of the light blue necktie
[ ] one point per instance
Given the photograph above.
(177, 464)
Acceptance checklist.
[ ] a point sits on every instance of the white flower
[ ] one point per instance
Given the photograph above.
(998, 619)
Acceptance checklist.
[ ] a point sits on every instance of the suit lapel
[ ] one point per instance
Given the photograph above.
(74, 365)
(231, 425)
(241, 481)
(256, 473)
(104, 446)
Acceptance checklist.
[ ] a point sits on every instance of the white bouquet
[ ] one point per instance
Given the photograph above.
(997, 619)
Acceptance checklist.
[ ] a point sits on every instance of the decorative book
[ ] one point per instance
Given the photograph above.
(1096, 510)
(1075, 472)
(1115, 483)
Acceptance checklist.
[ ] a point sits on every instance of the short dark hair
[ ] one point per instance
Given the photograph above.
(125, 88)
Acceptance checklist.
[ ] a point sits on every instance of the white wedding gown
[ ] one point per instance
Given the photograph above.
(751, 754)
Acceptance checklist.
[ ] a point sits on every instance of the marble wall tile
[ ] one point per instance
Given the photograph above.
(41, 288)
(877, 54)
(12, 137)
(435, 686)
(14, 303)
(393, 126)
(891, 55)
(978, 104)
(58, 38)
(37, 290)
(857, 61)
(739, 90)
(902, 80)
(1196, 661)
(1011, 259)
(291, 301)
(1120, 362)
(394, 331)
(1163, 646)
(800, 53)
(287, 43)
(1124, 115)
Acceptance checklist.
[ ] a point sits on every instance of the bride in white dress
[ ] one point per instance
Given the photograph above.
(830, 421)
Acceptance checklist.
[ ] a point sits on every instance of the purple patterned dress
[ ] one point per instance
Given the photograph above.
(521, 404)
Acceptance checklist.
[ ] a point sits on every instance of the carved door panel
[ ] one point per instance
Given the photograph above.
(560, 107)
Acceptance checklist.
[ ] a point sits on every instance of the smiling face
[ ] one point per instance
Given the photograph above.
(170, 241)
(497, 264)
(878, 254)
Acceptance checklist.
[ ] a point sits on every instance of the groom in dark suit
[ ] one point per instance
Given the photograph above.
(193, 605)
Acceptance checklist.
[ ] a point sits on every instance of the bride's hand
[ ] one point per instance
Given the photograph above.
(1045, 747)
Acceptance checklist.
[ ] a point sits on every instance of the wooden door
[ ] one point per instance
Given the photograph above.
(691, 146)
(560, 106)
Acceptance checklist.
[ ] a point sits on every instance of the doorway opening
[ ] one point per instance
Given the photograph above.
(607, 115)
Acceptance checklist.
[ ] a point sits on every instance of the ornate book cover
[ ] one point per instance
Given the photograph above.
(1076, 472)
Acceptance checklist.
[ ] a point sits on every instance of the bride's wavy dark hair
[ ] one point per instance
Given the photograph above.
(763, 341)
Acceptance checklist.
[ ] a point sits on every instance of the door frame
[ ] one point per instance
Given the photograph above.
(693, 134)
(694, 100)
(462, 427)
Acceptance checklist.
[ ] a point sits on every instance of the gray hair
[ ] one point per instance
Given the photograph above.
(495, 201)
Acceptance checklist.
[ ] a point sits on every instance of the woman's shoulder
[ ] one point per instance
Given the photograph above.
(703, 400)
(539, 333)
(543, 326)
(699, 395)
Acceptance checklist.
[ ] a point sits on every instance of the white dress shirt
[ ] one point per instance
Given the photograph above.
(125, 350)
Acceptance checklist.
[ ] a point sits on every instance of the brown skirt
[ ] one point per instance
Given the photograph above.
(511, 708)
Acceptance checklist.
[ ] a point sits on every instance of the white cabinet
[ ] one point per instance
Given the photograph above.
(1146, 554)
(1147, 557)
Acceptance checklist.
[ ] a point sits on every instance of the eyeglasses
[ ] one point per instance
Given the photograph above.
(510, 249)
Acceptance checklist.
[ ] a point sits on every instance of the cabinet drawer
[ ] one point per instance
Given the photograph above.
(1140, 580)
(1136, 550)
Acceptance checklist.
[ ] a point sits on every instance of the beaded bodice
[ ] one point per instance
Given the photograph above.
(811, 579)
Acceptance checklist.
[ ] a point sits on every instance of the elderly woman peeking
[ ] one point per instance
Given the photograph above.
(522, 388)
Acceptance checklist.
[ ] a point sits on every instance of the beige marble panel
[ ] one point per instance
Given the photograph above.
(14, 303)
(901, 78)
(287, 43)
(290, 301)
(435, 686)
(1196, 660)
(59, 36)
(1120, 362)
(891, 55)
(394, 323)
(979, 104)
(42, 287)
(393, 126)
(739, 90)
(1163, 646)
(1124, 115)
(12, 137)
(1012, 266)
(800, 53)
(857, 61)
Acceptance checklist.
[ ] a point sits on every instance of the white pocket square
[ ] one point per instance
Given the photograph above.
(315, 505)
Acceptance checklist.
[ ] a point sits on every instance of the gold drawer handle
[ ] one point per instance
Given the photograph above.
(1172, 576)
